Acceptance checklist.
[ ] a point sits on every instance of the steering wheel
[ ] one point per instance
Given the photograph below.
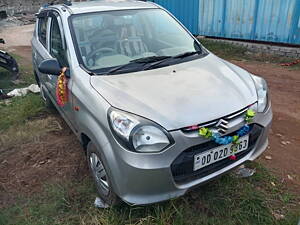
(98, 53)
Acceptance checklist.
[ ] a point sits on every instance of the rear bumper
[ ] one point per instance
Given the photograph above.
(148, 178)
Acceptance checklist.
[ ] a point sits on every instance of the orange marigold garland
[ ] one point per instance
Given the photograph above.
(62, 88)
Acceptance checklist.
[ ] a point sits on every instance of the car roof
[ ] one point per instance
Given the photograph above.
(108, 5)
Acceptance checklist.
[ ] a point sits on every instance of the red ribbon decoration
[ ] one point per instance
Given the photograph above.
(232, 157)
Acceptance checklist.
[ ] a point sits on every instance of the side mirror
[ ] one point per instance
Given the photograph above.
(50, 66)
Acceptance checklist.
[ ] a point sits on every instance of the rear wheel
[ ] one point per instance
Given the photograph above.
(100, 175)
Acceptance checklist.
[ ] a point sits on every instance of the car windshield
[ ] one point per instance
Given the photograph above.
(108, 40)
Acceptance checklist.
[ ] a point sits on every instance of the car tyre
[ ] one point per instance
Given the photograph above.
(100, 176)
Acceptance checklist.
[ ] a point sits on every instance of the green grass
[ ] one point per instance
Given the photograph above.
(4, 79)
(229, 200)
(224, 50)
(19, 110)
(233, 52)
(26, 75)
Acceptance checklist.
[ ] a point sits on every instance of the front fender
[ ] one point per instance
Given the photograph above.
(91, 120)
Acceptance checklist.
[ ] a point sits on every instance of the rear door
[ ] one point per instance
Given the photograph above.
(40, 43)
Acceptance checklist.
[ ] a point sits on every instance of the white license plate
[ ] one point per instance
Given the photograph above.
(216, 154)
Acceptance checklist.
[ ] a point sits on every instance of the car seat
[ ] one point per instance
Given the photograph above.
(130, 43)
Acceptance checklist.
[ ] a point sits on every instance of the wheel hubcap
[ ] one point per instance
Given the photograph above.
(99, 172)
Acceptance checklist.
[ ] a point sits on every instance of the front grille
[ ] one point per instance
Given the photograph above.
(239, 114)
(182, 167)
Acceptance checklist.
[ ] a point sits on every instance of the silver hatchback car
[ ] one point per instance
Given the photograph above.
(156, 112)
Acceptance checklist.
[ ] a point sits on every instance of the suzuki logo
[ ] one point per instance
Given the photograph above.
(222, 126)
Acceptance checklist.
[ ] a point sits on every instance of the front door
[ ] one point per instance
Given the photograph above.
(58, 49)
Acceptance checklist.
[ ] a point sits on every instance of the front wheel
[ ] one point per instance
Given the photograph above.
(100, 175)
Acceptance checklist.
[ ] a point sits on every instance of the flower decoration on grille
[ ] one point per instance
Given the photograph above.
(62, 88)
(225, 140)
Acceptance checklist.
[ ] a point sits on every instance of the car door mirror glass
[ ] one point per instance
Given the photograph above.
(50, 66)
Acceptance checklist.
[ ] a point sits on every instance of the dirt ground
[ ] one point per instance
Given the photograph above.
(58, 155)
(284, 85)
(17, 36)
(55, 157)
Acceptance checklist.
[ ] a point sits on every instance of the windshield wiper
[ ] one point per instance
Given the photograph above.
(186, 54)
(144, 60)
(150, 59)
(155, 60)
(118, 68)
(155, 64)
(180, 56)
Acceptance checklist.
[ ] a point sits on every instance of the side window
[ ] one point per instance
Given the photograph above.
(42, 30)
(56, 43)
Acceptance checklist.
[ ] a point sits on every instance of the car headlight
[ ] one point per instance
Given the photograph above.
(138, 134)
(262, 93)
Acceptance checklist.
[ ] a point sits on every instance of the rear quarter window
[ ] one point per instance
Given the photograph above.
(42, 30)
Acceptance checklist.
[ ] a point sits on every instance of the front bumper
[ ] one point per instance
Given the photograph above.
(148, 178)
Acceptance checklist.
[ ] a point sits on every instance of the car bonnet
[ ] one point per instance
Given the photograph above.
(180, 95)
